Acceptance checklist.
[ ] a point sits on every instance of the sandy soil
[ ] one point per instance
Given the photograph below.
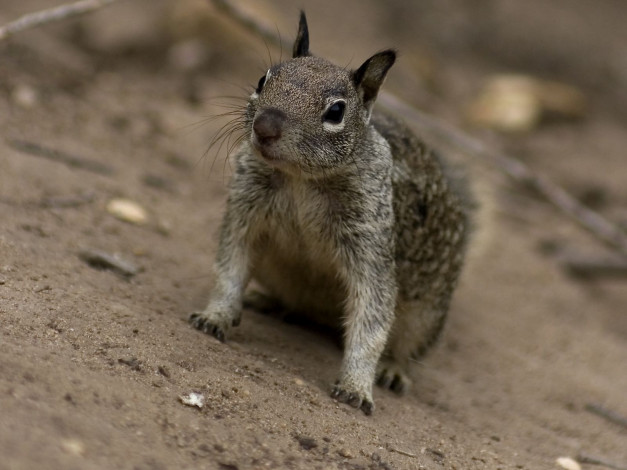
(92, 364)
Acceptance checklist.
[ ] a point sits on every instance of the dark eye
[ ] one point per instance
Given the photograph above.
(335, 113)
(261, 83)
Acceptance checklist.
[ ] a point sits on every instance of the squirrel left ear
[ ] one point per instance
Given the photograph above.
(301, 45)
(370, 76)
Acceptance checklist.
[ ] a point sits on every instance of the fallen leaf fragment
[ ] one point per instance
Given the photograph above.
(193, 399)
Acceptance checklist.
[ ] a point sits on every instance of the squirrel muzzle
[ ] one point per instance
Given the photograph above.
(267, 131)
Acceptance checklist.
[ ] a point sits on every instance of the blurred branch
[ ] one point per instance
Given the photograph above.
(588, 267)
(60, 156)
(61, 12)
(604, 230)
(247, 21)
(591, 460)
(606, 413)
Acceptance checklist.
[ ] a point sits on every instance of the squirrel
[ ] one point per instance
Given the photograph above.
(340, 213)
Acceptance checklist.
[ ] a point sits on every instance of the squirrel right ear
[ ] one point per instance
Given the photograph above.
(301, 45)
(369, 77)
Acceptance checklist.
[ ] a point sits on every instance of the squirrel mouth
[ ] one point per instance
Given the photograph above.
(268, 151)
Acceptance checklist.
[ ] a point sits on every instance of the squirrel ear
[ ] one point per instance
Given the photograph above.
(301, 45)
(369, 77)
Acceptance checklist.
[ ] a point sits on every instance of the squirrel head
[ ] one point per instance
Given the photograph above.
(307, 115)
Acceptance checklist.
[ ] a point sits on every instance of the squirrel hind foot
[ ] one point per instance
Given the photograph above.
(263, 303)
(392, 375)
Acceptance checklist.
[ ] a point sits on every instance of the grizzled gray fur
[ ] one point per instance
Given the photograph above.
(340, 214)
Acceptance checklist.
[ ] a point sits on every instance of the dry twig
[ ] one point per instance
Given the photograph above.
(247, 21)
(55, 155)
(588, 267)
(590, 460)
(402, 452)
(101, 260)
(63, 202)
(604, 230)
(61, 12)
(610, 234)
(606, 413)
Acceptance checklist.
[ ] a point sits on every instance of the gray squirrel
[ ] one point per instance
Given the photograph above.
(342, 215)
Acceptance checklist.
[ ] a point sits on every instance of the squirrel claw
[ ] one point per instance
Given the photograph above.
(353, 399)
(200, 322)
(393, 377)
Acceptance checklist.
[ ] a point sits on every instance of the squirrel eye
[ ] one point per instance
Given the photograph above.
(335, 113)
(261, 83)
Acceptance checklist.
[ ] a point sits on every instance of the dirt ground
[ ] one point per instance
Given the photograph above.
(115, 104)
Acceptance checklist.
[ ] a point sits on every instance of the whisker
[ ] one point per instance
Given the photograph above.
(278, 32)
(224, 136)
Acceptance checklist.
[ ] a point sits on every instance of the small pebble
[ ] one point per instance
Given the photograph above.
(507, 103)
(346, 453)
(128, 211)
(517, 103)
(73, 446)
(568, 463)
(25, 96)
(306, 442)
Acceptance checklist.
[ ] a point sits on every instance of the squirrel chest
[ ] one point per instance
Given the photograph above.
(294, 240)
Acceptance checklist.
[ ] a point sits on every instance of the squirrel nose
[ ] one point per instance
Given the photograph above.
(268, 125)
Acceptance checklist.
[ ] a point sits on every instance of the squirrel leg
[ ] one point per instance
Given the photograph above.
(416, 328)
(369, 316)
(232, 275)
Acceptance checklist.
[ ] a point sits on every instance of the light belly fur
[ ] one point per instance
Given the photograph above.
(301, 274)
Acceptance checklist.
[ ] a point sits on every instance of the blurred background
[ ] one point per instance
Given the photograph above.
(105, 124)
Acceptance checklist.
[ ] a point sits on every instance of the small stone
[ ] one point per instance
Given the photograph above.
(134, 363)
(508, 104)
(568, 463)
(73, 446)
(306, 442)
(346, 453)
(128, 211)
(163, 371)
(517, 103)
(25, 96)
(299, 382)
(193, 399)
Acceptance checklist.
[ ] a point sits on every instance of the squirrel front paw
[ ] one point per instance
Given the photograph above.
(202, 321)
(354, 398)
